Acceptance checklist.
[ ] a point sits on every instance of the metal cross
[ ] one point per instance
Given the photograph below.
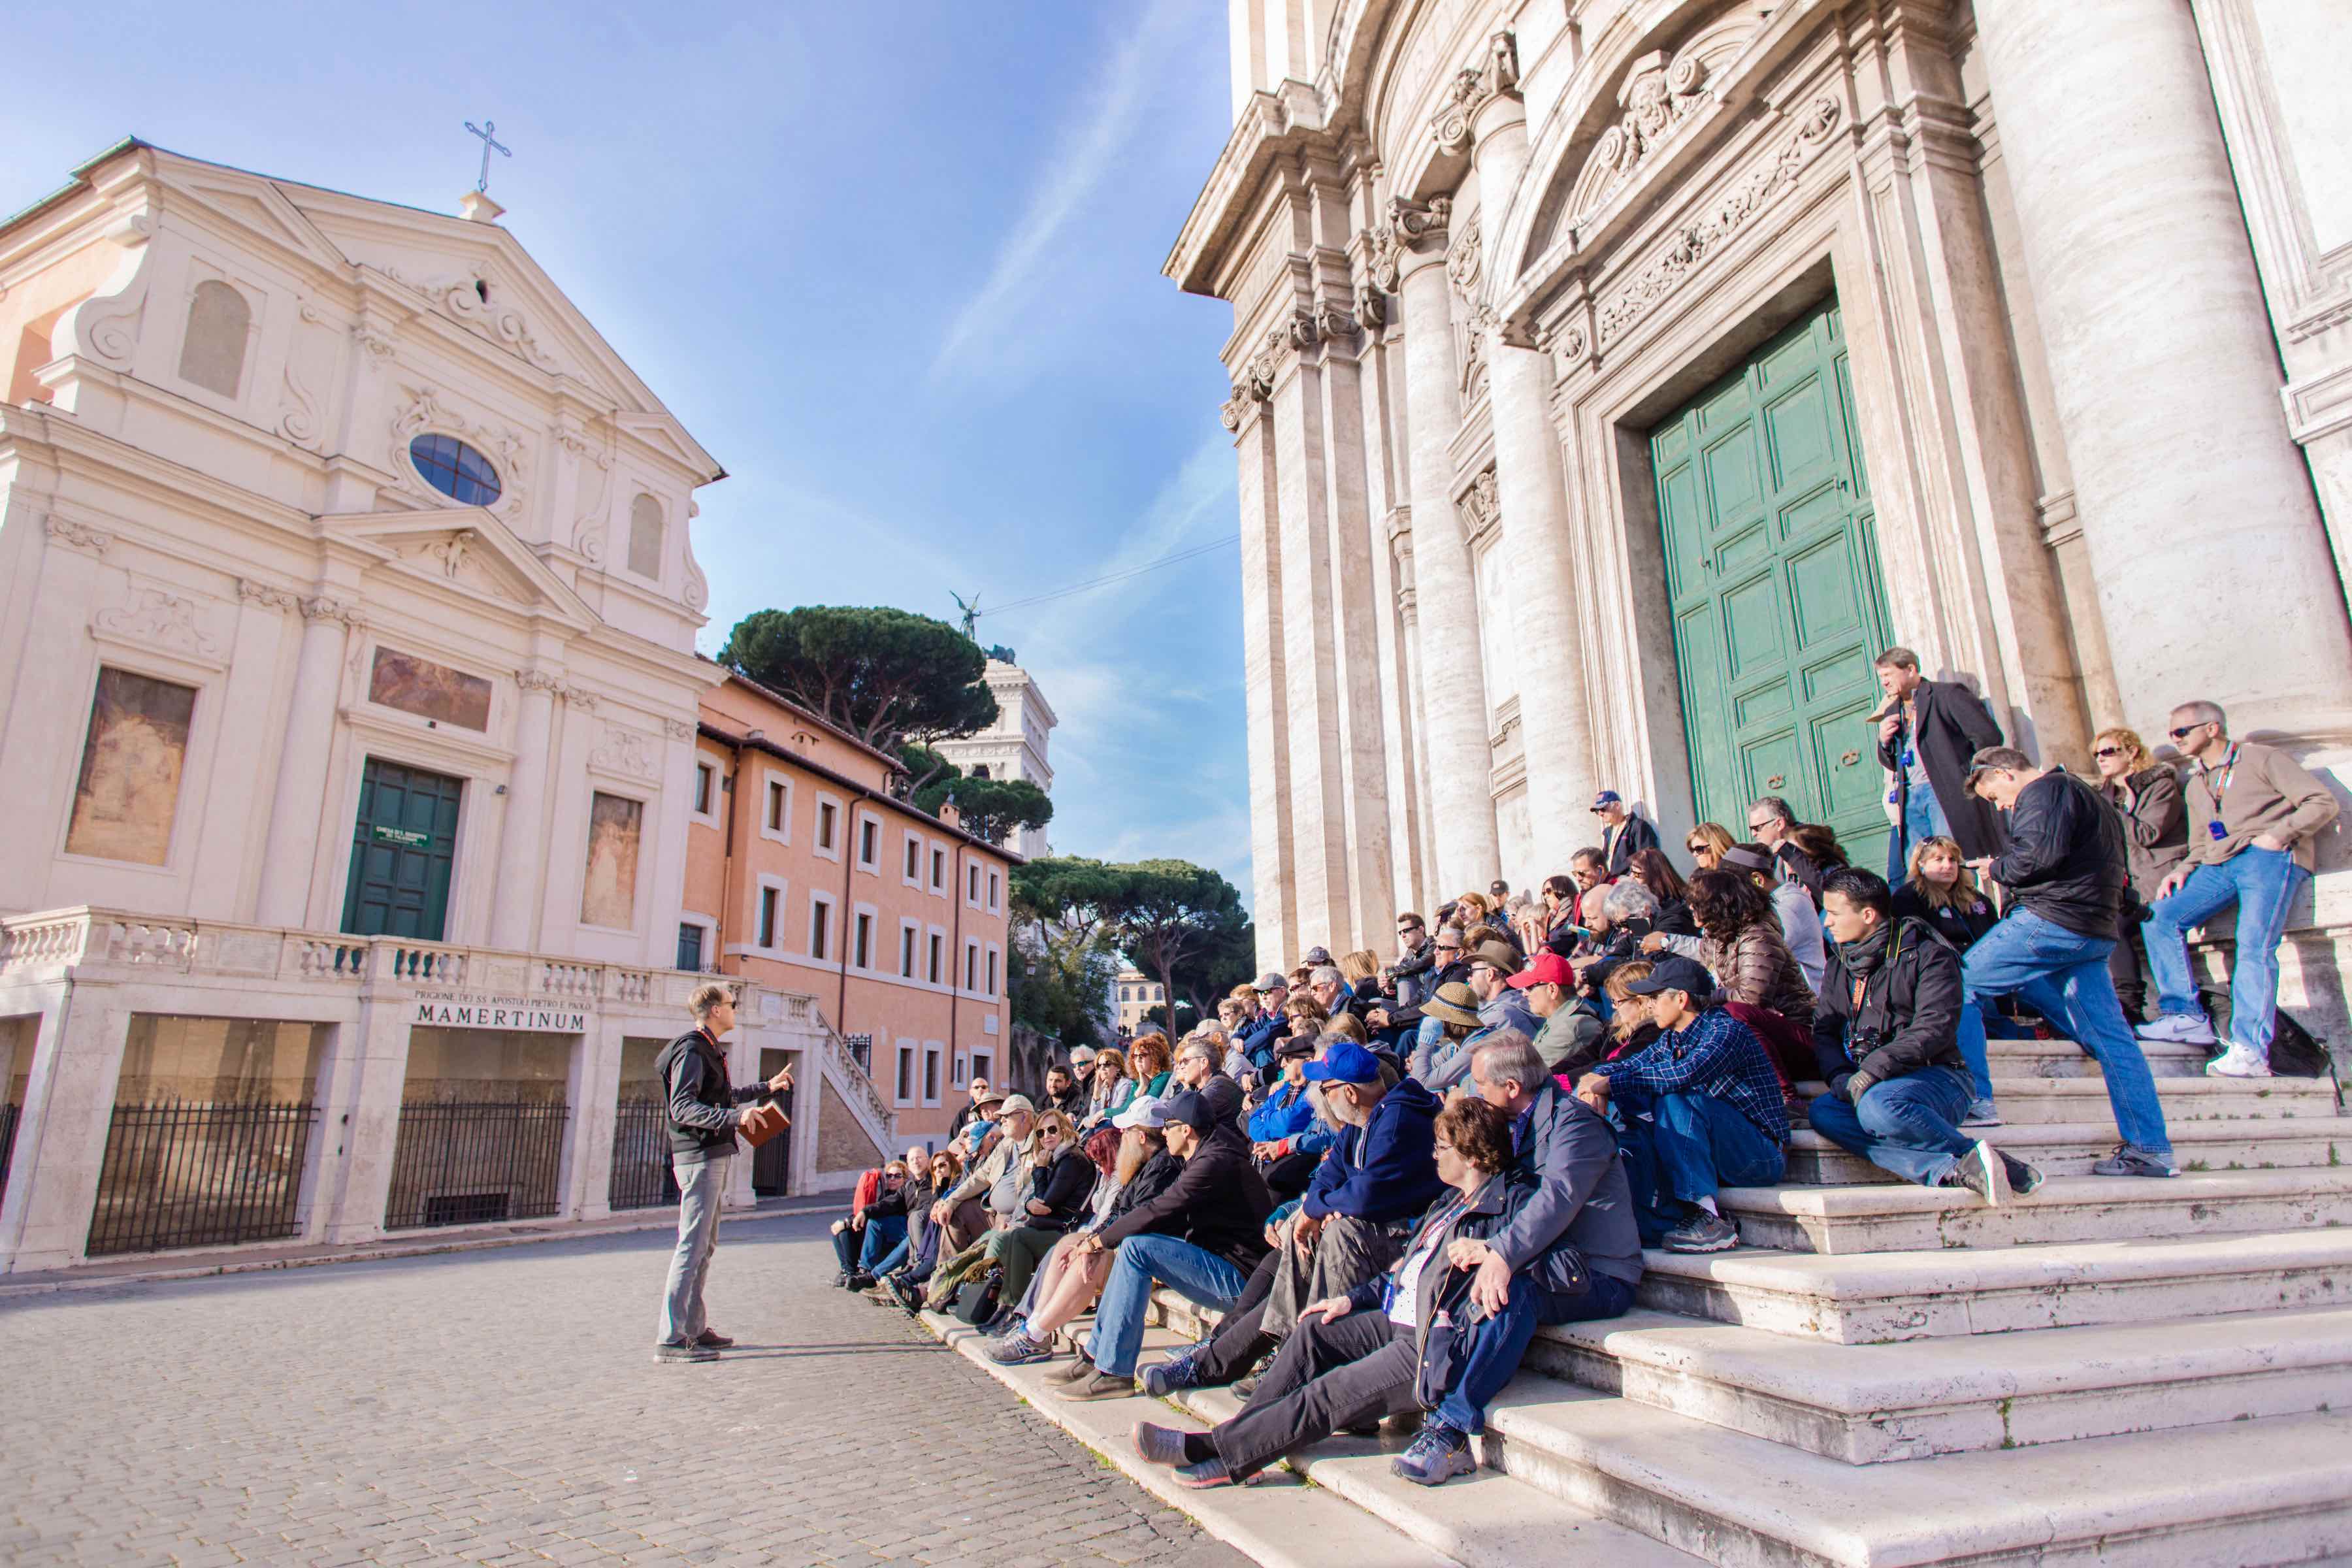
(485, 130)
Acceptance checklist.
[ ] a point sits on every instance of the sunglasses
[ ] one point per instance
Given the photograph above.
(1700, 849)
(1442, 948)
(2183, 734)
(1761, 826)
(2114, 751)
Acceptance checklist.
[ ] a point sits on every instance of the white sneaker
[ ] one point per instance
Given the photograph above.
(2180, 1028)
(2238, 1062)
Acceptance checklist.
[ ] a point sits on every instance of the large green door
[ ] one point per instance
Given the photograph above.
(402, 849)
(1772, 573)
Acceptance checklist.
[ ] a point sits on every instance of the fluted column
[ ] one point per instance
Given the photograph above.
(1454, 716)
(1263, 682)
(294, 841)
(2196, 509)
(521, 843)
(1546, 625)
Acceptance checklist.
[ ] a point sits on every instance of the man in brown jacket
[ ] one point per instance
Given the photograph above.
(2253, 813)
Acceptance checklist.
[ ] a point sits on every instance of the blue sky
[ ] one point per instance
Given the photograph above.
(896, 265)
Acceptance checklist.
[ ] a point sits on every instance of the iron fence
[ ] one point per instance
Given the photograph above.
(9, 1114)
(470, 1162)
(197, 1173)
(641, 1177)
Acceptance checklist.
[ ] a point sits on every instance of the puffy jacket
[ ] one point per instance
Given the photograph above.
(2065, 858)
(1258, 1038)
(1218, 1203)
(693, 1077)
(2155, 829)
(1909, 1014)
(1287, 1112)
(1579, 1195)
(1758, 968)
(1385, 1170)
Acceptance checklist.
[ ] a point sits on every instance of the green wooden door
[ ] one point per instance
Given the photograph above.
(404, 848)
(1772, 574)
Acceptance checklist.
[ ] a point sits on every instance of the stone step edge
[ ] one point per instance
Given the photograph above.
(1849, 1382)
(1659, 1462)
(2245, 1129)
(1870, 1199)
(2291, 1091)
(1287, 1526)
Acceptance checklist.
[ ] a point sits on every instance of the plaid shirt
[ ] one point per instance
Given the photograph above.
(1714, 1054)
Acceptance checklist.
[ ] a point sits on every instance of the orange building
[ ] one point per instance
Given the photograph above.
(805, 874)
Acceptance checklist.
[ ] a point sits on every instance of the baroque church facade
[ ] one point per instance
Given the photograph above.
(1612, 379)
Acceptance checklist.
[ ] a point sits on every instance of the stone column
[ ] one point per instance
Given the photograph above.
(1262, 681)
(522, 838)
(69, 1109)
(1547, 624)
(292, 849)
(2196, 508)
(1454, 711)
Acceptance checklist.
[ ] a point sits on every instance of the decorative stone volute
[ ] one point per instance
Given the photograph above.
(1473, 88)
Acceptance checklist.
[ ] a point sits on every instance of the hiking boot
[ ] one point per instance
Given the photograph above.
(2127, 1161)
(1703, 1232)
(1206, 1474)
(1079, 1366)
(2022, 1178)
(1017, 1349)
(1245, 1386)
(2178, 1028)
(906, 1295)
(2238, 1062)
(1982, 1172)
(1980, 1114)
(1176, 1373)
(1097, 1384)
(711, 1339)
(1161, 1445)
(861, 1281)
(674, 1352)
(1440, 1453)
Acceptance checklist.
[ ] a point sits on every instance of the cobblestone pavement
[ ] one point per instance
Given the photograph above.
(504, 1407)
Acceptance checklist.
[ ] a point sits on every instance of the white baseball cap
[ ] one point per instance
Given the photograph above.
(1148, 1112)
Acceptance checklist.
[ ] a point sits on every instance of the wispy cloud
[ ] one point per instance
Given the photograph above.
(1088, 152)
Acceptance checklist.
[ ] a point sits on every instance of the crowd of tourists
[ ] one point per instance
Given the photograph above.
(1386, 1175)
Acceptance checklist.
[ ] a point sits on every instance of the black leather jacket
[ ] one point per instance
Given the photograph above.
(2065, 857)
(693, 1075)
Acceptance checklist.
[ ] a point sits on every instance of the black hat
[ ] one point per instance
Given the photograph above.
(1674, 973)
(1292, 1047)
(1192, 1109)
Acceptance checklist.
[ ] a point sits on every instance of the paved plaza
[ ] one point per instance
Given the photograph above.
(503, 1406)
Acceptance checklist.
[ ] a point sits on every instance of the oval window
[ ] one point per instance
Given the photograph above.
(456, 470)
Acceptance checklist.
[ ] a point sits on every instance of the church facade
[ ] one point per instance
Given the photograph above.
(1611, 380)
(348, 724)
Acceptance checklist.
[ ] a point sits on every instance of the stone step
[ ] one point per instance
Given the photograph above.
(2238, 1492)
(2071, 1148)
(2064, 1059)
(1868, 1405)
(1485, 1520)
(1879, 1297)
(2024, 1100)
(1901, 1217)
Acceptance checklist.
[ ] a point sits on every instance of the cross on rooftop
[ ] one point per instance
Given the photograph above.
(487, 130)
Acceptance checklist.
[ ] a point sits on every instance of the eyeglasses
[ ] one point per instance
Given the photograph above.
(2110, 751)
(1443, 1147)
(1755, 826)
(2183, 734)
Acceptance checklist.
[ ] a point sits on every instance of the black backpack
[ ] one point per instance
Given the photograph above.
(2295, 1052)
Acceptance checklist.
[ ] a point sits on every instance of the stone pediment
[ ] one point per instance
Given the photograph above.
(467, 549)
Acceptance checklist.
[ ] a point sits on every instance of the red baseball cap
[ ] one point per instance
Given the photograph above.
(1546, 968)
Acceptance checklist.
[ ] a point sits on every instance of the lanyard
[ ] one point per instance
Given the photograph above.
(2226, 771)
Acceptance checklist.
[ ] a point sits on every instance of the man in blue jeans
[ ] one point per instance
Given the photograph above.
(2254, 814)
(1886, 1036)
(1203, 1237)
(1699, 1109)
(2065, 871)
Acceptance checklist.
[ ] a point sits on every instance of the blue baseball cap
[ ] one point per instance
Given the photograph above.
(1607, 797)
(1345, 1062)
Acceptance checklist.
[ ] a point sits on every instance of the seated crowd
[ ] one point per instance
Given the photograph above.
(1386, 1176)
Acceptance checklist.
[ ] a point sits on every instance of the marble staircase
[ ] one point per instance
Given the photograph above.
(2111, 1370)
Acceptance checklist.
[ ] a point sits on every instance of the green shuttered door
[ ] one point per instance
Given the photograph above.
(402, 849)
(1772, 574)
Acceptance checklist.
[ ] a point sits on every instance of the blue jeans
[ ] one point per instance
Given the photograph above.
(1687, 1147)
(1910, 1125)
(878, 1248)
(2063, 975)
(1923, 818)
(1193, 1272)
(2262, 883)
(700, 1186)
(1972, 1049)
(1497, 1345)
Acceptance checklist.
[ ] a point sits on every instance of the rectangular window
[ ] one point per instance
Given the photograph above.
(914, 860)
(129, 788)
(972, 884)
(864, 950)
(906, 1085)
(938, 946)
(869, 844)
(820, 926)
(906, 951)
(826, 812)
(931, 1076)
(939, 870)
(768, 901)
(995, 889)
(981, 1065)
(703, 773)
(779, 806)
(970, 965)
(992, 973)
(690, 947)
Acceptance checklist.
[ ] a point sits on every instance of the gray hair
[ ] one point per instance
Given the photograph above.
(1509, 1056)
(2203, 712)
(1196, 1046)
(1628, 900)
(1327, 974)
(1774, 804)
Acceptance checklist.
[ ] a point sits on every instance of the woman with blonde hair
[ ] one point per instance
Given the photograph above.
(1061, 1178)
(1361, 968)
(1706, 843)
(1944, 892)
(2156, 839)
(1113, 1090)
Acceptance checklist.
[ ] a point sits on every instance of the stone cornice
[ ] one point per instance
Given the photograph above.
(1272, 125)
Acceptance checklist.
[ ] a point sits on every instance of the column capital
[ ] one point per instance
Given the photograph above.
(538, 680)
(320, 607)
(1473, 88)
